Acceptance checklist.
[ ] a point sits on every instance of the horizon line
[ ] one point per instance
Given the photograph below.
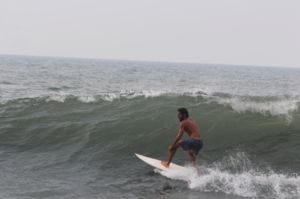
(144, 60)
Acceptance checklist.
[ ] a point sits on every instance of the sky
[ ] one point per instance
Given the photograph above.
(243, 32)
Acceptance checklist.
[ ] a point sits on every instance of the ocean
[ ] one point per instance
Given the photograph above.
(69, 128)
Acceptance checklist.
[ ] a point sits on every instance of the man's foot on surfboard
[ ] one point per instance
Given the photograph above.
(165, 163)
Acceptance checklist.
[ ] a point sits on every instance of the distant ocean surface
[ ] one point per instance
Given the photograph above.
(69, 128)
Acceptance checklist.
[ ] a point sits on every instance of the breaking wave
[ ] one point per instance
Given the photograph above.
(246, 181)
(282, 106)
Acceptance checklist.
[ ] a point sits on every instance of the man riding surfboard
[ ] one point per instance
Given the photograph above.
(192, 145)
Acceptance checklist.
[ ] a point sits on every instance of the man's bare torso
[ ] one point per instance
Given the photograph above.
(191, 128)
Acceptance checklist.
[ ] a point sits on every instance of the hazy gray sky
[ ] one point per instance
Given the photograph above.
(252, 32)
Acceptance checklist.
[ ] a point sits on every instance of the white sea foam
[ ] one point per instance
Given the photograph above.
(87, 99)
(281, 106)
(248, 183)
(56, 98)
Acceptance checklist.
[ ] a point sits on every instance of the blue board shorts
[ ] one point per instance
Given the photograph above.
(192, 144)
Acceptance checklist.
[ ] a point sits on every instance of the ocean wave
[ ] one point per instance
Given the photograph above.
(275, 106)
(282, 106)
(249, 182)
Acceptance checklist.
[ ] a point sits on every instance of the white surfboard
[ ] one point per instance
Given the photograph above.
(157, 163)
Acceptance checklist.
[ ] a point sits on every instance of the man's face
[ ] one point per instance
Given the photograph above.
(179, 116)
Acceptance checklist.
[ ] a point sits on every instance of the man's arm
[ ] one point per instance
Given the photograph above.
(178, 137)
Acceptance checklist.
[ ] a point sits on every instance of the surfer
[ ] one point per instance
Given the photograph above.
(192, 145)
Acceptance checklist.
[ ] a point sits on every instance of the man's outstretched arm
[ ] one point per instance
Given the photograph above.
(173, 148)
(178, 137)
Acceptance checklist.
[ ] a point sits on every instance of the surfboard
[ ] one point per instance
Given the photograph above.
(157, 163)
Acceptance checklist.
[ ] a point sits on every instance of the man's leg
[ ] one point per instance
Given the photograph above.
(171, 155)
(192, 156)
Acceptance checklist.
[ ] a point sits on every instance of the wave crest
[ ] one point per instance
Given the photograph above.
(274, 106)
(282, 106)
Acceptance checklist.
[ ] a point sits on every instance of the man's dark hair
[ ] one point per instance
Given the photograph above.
(183, 111)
